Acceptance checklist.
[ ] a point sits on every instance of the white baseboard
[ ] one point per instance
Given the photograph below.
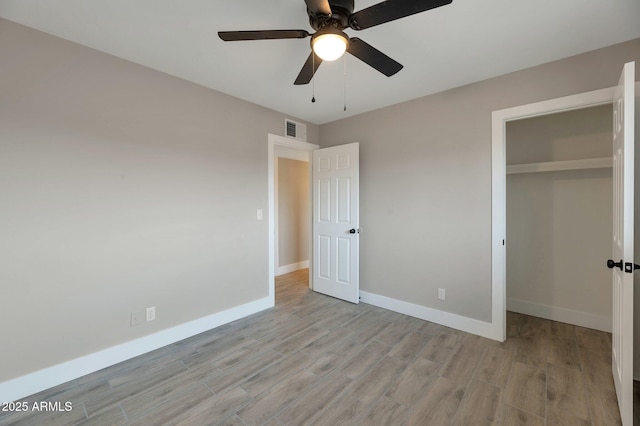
(569, 316)
(469, 325)
(20, 387)
(292, 267)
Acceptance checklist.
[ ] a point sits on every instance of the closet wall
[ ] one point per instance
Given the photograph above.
(559, 221)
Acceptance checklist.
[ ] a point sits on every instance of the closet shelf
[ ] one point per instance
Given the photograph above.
(552, 166)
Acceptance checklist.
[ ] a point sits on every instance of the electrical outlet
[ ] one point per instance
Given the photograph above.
(136, 318)
(441, 294)
(151, 313)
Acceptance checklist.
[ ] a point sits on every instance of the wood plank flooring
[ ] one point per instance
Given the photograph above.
(315, 360)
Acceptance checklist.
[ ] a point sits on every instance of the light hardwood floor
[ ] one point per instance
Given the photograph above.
(316, 360)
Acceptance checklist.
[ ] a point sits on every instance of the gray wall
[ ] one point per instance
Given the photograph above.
(293, 211)
(425, 173)
(122, 188)
(559, 224)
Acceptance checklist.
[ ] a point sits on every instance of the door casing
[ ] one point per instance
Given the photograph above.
(498, 188)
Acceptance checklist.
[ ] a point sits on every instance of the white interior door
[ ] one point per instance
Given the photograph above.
(336, 235)
(622, 262)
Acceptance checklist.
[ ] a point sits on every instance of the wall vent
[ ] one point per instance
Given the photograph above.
(295, 130)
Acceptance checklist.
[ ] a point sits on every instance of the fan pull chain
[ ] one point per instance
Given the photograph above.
(313, 77)
(345, 83)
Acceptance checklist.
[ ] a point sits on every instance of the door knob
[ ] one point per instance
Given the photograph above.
(352, 231)
(611, 264)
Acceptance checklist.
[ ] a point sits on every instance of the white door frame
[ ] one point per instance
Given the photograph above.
(499, 189)
(273, 142)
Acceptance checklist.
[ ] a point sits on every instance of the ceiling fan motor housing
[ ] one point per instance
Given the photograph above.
(339, 18)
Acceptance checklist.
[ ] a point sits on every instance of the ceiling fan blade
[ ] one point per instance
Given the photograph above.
(261, 35)
(308, 69)
(373, 57)
(391, 10)
(318, 7)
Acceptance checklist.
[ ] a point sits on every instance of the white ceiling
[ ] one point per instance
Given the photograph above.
(467, 41)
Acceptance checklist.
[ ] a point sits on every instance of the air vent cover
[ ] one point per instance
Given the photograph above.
(295, 130)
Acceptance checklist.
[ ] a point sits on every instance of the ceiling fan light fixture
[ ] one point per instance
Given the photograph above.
(329, 46)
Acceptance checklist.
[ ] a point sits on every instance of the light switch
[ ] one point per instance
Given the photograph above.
(259, 215)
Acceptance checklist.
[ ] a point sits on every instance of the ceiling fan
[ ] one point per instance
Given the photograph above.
(329, 18)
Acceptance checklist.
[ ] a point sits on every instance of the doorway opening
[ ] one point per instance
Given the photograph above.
(292, 215)
(281, 147)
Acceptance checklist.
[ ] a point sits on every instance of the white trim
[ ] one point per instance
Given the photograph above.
(20, 387)
(448, 319)
(498, 186)
(293, 154)
(555, 313)
(273, 141)
(292, 267)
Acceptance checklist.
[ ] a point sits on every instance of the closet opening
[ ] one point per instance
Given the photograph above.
(559, 193)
